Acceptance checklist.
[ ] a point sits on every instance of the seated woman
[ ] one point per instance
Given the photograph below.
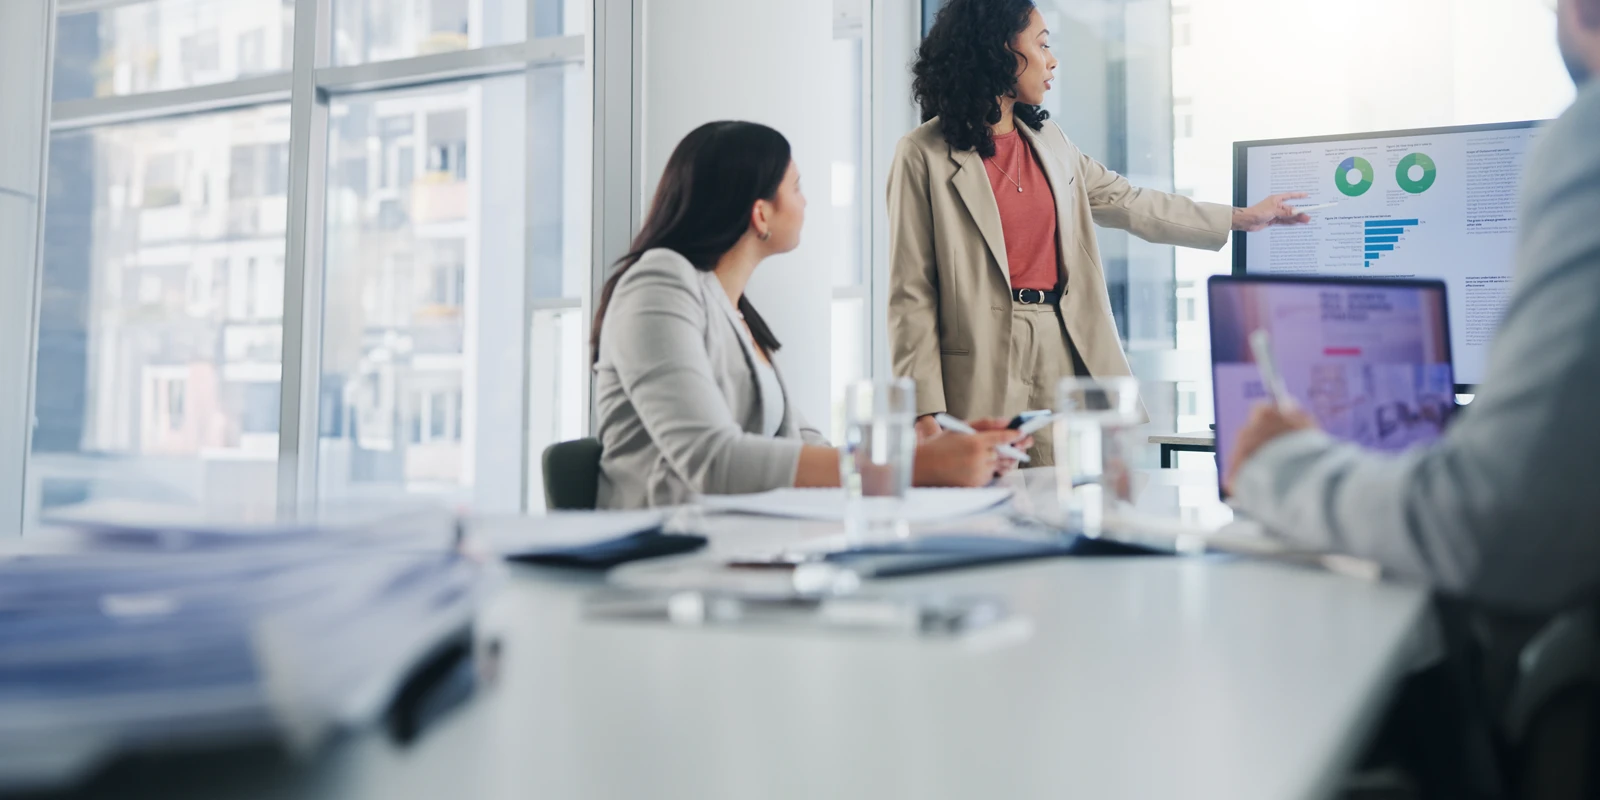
(689, 399)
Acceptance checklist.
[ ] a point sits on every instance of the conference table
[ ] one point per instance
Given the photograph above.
(1136, 677)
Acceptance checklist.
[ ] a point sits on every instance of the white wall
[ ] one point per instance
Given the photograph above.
(756, 60)
(24, 57)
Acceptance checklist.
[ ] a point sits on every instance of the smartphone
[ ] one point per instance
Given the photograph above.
(1026, 417)
(1032, 422)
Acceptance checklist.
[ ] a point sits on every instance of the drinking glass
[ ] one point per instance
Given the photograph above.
(880, 438)
(878, 453)
(1092, 458)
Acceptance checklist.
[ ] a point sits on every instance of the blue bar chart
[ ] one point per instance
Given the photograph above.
(1383, 234)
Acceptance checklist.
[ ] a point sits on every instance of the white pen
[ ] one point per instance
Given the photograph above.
(1261, 346)
(954, 425)
(1318, 207)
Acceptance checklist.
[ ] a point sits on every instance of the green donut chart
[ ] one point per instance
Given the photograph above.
(1341, 176)
(1402, 173)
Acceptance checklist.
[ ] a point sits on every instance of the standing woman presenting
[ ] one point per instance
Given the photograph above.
(996, 287)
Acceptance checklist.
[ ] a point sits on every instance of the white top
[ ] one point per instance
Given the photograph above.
(771, 397)
(1138, 677)
(766, 376)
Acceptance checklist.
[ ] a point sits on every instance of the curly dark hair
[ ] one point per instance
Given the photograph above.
(966, 64)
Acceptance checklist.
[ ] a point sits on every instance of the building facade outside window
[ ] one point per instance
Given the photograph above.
(455, 229)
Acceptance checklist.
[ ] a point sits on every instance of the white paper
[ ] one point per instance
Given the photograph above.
(561, 530)
(921, 505)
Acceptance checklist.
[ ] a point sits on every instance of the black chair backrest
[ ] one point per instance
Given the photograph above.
(572, 475)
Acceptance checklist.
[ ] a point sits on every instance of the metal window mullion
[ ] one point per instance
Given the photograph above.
(97, 111)
(14, 498)
(302, 274)
(482, 62)
(530, 185)
(277, 88)
(864, 195)
(616, 41)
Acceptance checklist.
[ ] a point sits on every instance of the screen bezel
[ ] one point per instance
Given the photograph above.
(1241, 183)
(1337, 280)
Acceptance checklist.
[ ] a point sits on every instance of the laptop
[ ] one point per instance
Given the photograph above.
(1369, 360)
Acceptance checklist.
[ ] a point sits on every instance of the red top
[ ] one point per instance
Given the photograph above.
(1028, 217)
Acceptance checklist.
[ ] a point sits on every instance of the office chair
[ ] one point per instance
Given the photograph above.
(1548, 718)
(1512, 712)
(572, 475)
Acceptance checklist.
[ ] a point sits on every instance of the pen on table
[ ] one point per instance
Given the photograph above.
(954, 425)
(1261, 346)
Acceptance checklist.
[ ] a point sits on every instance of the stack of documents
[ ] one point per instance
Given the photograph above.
(132, 639)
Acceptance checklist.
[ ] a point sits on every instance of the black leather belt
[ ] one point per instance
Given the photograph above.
(1036, 297)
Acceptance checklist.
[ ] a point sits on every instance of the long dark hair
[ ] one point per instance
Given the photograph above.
(702, 206)
(965, 64)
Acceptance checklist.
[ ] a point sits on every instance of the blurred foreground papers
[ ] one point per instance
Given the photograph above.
(116, 639)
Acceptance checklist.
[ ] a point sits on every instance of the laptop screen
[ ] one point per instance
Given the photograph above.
(1369, 360)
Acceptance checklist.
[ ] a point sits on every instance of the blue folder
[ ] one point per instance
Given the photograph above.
(941, 553)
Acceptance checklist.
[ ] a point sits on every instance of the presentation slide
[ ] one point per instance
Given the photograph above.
(1441, 205)
(1369, 364)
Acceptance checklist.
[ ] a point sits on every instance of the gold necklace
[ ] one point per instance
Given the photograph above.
(995, 161)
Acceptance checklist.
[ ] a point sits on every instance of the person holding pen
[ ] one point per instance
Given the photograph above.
(996, 286)
(689, 398)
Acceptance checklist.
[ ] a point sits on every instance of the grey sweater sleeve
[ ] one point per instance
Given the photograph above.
(1506, 509)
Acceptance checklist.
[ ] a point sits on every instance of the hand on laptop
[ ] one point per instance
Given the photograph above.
(1266, 423)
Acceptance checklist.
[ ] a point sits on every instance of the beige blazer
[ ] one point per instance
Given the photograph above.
(950, 284)
(677, 400)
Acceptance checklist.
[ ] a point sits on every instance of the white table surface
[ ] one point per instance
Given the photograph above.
(1196, 439)
(1140, 678)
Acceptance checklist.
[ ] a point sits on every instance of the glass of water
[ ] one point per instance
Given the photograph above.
(880, 437)
(1092, 461)
(879, 448)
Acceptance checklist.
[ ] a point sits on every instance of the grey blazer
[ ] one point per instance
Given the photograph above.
(1505, 510)
(679, 404)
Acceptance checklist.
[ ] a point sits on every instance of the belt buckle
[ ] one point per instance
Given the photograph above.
(1038, 297)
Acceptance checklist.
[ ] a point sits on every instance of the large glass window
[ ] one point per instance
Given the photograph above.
(416, 209)
(161, 322)
(447, 271)
(1363, 65)
(171, 44)
(1114, 100)
(380, 30)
